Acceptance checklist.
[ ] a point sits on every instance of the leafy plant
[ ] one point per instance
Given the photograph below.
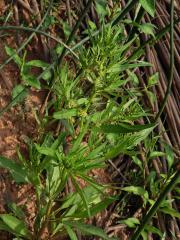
(25, 68)
(98, 120)
(86, 106)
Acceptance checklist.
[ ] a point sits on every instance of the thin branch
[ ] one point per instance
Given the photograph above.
(30, 37)
(75, 28)
(25, 6)
(171, 63)
(18, 28)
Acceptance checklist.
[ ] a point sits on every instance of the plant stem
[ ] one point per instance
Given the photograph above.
(171, 63)
(152, 40)
(174, 180)
(137, 20)
(128, 7)
(25, 90)
(75, 28)
(18, 28)
(149, 41)
(30, 37)
(156, 205)
(125, 10)
(45, 222)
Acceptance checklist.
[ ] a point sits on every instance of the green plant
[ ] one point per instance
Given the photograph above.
(87, 107)
(97, 117)
(153, 203)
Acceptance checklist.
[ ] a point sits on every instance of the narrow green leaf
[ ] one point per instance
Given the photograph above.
(31, 80)
(130, 222)
(4, 227)
(65, 114)
(153, 229)
(144, 235)
(118, 67)
(93, 183)
(77, 142)
(124, 128)
(138, 162)
(169, 155)
(172, 212)
(153, 80)
(17, 210)
(129, 141)
(89, 230)
(96, 208)
(149, 6)
(81, 193)
(101, 8)
(147, 28)
(46, 151)
(17, 170)
(156, 154)
(37, 63)
(70, 232)
(151, 96)
(18, 227)
(16, 91)
(46, 75)
(137, 191)
(12, 53)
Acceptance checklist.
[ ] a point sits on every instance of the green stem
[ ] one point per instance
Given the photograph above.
(45, 222)
(171, 70)
(152, 40)
(18, 28)
(30, 37)
(137, 20)
(175, 179)
(26, 89)
(125, 10)
(149, 41)
(128, 7)
(75, 28)
(156, 205)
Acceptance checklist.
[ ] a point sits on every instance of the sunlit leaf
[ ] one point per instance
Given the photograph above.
(172, 212)
(15, 225)
(153, 79)
(16, 91)
(89, 230)
(149, 6)
(70, 232)
(65, 114)
(137, 191)
(12, 53)
(17, 170)
(130, 222)
(37, 63)
(124, 128)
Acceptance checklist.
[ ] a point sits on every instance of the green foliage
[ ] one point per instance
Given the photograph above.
(98, 118)
(16, 91)
(89, 229)
(17, 170)
(87, 102)
(137, 191)
(13, 225)
(25, 67)
(149, 6)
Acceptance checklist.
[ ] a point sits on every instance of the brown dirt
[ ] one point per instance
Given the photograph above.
(15, 125)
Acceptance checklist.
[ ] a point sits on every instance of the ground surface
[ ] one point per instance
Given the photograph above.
(15, 125)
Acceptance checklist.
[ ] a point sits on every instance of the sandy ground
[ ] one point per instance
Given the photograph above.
(15, 125)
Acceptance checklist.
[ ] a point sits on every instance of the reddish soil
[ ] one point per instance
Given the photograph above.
(15, 125)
